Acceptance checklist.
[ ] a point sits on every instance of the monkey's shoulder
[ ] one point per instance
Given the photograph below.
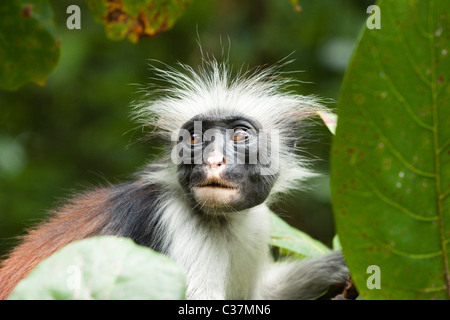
(126, 209)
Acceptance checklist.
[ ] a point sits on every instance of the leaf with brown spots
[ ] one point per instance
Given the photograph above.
(135, 19)
(390, 167)
(28, 49)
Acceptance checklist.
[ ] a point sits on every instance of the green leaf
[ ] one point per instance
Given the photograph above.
(106, 268)
(390, 169)
(291, 241)
(135, 19)
(28, 48)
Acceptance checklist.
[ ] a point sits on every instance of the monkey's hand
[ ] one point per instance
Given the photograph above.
(306, 279)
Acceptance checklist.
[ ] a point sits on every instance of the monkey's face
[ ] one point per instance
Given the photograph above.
(220, 163)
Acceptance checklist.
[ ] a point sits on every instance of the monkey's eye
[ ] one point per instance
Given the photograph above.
(195, 139)
(240, 135)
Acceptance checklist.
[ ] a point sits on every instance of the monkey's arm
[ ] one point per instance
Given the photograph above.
(305, 279)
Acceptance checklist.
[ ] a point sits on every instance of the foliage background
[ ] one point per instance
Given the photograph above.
(75, 132)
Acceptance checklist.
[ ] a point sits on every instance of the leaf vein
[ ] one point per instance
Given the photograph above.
(396, 205)
(400, 97)
(396, 153)
(437, 164)
(409, 56)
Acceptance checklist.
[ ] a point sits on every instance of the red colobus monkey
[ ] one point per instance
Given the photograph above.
(231, 150)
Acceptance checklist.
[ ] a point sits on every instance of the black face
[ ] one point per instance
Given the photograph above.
(220, 167)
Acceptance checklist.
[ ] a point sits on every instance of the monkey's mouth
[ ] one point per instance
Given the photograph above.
(217, 184)
(216, 193)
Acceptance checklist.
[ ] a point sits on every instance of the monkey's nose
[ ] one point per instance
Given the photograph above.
(216, 159)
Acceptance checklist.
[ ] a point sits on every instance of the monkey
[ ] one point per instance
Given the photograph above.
(230, 151)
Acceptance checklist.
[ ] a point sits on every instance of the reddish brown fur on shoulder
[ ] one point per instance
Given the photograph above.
(82, 218)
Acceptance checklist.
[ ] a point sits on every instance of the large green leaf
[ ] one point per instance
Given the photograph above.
(135, 19)
(106, 268)
(28, 48)
(390, 171)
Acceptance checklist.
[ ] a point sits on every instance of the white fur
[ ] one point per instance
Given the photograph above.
(221, 260)
(227, 257)
(223, 256)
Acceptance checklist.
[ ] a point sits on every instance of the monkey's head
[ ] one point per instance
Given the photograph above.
(224, 161)
(232, 142)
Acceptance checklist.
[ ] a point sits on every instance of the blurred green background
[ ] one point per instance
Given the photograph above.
(76, 132)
